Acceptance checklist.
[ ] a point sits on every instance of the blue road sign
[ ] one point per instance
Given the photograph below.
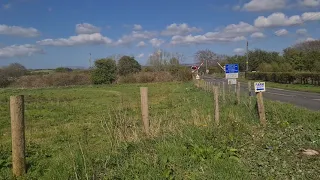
(232, 68)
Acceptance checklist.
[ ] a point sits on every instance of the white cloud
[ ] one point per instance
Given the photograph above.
(257, 35)
(310, 3)
(310, 39)
(239, 29)
(155, 42)
(239, 51)
(207, 38)
(277, 19)
(86, 28)
(141, 44)
(80, 39)
(311, 16)
(18, 31)
(302, 31)
(140, 55)
(264, 5)
(19, 51)
(179, 29)
(135, 36)
(281, 32)
(137, 27)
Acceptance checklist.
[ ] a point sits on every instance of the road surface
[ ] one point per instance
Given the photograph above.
(303, 99)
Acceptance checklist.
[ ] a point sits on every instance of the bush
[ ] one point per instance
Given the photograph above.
(15, 70)
(55, 79)
(181, 73)
(63, 69)
(128, 65)
(286, 77)
(147, 77)
(4, 81)
(105, 71)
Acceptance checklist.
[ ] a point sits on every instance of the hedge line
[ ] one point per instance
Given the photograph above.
(286, 77)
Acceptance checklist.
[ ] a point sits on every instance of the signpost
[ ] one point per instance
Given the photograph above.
(259, 87)
(232, 81)
(232, 73)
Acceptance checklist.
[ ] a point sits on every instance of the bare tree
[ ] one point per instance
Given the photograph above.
(207, 56)
(161, 59)
(308, 46)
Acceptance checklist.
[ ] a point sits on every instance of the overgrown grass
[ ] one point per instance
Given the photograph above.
(96, 133)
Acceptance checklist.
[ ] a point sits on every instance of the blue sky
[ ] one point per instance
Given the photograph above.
(49, 34)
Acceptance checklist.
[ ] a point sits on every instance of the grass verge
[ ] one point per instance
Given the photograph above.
(96, 133)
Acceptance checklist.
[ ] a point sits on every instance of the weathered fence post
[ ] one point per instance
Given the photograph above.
(18, 135)
(216, 107)
(238, 93)
(145, 108)
(223, 92)
(261, 110)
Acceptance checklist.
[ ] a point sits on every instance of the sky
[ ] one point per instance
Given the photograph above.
(55, 33)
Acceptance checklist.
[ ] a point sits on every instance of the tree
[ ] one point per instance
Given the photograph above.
(15, 70)
(63, 69)
(105, 71)
(162, 60)
(206, 56)
(128, 65)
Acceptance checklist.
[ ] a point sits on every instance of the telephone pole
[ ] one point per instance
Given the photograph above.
(247, 63)
(90, 61)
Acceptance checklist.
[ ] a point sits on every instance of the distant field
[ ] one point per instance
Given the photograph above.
(95, 132)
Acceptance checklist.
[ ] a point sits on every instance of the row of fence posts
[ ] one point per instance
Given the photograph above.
(214, 88)
(18, 122)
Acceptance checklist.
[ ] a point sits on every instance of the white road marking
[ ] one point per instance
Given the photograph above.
(280, 94)
(316, 99)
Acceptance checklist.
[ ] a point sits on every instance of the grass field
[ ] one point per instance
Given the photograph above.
(96, 133)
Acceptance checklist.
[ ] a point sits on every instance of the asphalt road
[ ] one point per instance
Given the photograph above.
(302, 99)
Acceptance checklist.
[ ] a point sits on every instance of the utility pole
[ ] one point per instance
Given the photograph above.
(247, 63)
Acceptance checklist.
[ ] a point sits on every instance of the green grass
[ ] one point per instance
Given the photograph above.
(96, 133)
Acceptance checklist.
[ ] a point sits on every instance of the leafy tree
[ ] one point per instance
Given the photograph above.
(105, 71)
(15, 70)
(265, 67)
(128, 65)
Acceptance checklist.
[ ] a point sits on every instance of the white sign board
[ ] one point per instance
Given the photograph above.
(232, 81)
(259, 86)
(197, 76)
(232, 76)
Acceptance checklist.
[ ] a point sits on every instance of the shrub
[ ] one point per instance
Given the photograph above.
(128, 65)
(55, 79)
(4, 81)
(147, 77)
(287, 77)
(15, 70)
(63, 69)
(181, 73)
(105, 71)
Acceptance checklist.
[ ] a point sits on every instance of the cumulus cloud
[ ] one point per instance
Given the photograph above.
(264, 5)
(155, 42)
(301, 31)
(141, 44)
(257, 35)
(179, 29)
(137, 27)
(135, 36)
(239, 51)
(281, 32)
(311, 16)
(310, 3)
(19, 51)
(18, 31)
(86, 28)
(277, 19)
(140, 55)
(80, 39)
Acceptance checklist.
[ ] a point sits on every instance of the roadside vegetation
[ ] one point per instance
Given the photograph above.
(96, 133)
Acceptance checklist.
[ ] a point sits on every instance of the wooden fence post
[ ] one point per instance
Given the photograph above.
(261, 110)
(238, 93)
(18, 135)
(223, 92)
(216, 107)
(145, 108)
(249, 92)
